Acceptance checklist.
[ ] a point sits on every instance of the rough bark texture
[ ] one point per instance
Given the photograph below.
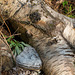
(41, 31)
(69, 34)
(56, 55)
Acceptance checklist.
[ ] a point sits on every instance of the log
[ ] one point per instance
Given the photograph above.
(69, 35)
(54, 52)
(41, 25)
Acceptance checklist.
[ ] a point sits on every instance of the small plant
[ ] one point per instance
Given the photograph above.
(67, 8)
(70, 8)
(16, 46)
(65, 3)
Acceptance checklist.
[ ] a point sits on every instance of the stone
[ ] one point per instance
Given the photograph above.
(29, 59)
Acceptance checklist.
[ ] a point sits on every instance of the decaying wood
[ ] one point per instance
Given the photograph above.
(69, 34)
(56, 55)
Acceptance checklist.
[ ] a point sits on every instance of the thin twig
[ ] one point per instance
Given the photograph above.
(6, 24)
(4, 40)
(13, 35)
(71, 11)
(2, 27)
(16, 30)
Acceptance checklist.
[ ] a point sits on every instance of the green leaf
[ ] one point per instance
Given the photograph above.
(21, 46)
(18, 50)
(72, 16)
(12, 45)
(12, 42)
(17, 47)
(70, 8)
(16, 41)
(25, 44)
(65, 3)
(14, 52)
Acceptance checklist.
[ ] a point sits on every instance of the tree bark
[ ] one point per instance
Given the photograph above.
(54, 51)
(42, 26)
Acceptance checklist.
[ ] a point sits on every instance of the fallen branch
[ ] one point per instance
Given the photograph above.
(5, 24)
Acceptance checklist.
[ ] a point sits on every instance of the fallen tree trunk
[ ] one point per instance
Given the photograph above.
(56, 55)
(39, 24)
(69, 35)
